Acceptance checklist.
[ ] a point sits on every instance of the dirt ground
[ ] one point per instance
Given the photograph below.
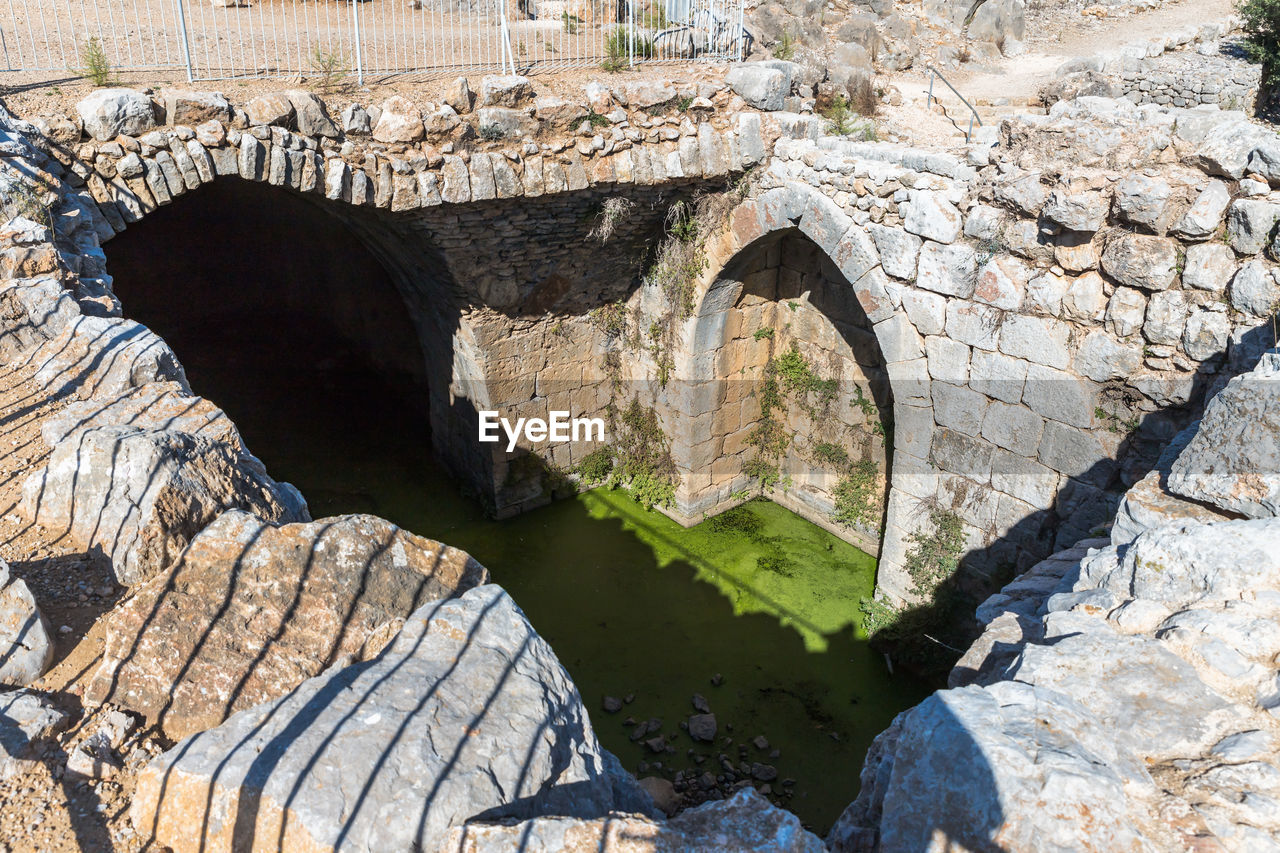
(47, 809)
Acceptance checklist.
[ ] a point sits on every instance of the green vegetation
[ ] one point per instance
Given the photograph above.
(639, 460)
(797, 377)
(786, 46)
(761, 334)
(569, 22)
(612, 212)
(857, 495)
(1260, 20)
(491, 132)
(610, 318)
(684, 103)
(32, 202)
(928, 636)
(332, 67)
(621, 44)
(94, 65)
(843, 121)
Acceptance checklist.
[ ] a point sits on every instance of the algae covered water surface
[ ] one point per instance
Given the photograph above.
(635, 606)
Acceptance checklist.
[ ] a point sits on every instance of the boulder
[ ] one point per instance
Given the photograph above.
(1136, 260)
(155, 405)
(467, 715)
(998, 21)
(459, 96)
(505, 90)
(102, 356)
(1142, 200)
(761, 86)
(311, 116)
(703, 727)
(1233, 462)
(646, 94)
(138, 495)
(355, 119)
(1225, 149)
(28, 720)
(987, 768)
(745, 823)
(260, 608)
(399, 121)
(26, 646)
(505, 123)
(192, 108)
(35, 310)
(1202, 218)
(108, 113)
(274, 109)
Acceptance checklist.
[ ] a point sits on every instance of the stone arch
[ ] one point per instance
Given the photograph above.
(804, 210)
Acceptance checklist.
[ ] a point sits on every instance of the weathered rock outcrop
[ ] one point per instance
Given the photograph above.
(745, 823)
(466, 715)
(1130, 686)
(139, 494)
(1234, 459)
(251, 610)
(26, 648)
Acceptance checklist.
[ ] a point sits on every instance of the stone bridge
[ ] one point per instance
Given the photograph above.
(869, 334)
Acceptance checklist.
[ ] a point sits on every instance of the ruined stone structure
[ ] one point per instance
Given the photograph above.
(1008, 342)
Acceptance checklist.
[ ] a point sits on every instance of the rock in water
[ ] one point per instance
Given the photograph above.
(26, 647)
(1233, 461)
(139, 495)
(251, 610)
(702, 727)
(467, 714)
(744, 823)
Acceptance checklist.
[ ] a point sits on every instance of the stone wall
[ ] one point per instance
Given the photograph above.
(1185, 79)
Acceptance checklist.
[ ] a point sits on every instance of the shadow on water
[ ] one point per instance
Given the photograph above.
(634, 605)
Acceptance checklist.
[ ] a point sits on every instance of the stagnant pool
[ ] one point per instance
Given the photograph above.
(755, 611)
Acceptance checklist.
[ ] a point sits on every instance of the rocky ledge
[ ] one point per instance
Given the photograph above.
(1124, 695)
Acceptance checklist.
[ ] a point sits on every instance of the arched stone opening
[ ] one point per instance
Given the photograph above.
(801, 393)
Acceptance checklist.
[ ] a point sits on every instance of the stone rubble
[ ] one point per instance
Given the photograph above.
(26, 643)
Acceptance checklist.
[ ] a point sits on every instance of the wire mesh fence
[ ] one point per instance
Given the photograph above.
(221, 39)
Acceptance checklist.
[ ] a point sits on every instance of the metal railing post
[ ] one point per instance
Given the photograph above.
(631, 33)
(186, 41)
(355, 22)
(928, 102)
(504, 32)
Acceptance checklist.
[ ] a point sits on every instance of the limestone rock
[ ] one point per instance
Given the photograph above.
(934, 773)
(898, 250)
(192, 108)
(1250, 224)
(1149, 504)
(1076, 211)
(761, 86)
(1136, 260)
(505, 90)
(1253, 290)
(251, 610)
(155, 405)
(1233, 461)
(102, 356)
(1205, 334)
(274, 109)
(1202, 218)
(1209, 267)
(1142, 200)
(745, 823)
(466, 715)
(505, 123)
(931, 216)
(26, 647)
(355, 119)
(311, 116)
(1226, 148)
(459, 96)
(28, 719)
(139, 495)
(399, 121)
(108, 113)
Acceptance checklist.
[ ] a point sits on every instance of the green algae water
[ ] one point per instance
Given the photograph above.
(755, 609)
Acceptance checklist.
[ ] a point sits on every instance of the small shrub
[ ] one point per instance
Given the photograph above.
(621, 44)
(642, 460)
(843, 121)
(569, 22)
(333, 68)
(857, 496)
(610, 318)
(934, 556)
(763, 471)
(596, 466)
(786, 46)
(761, 334)
(491, 132)
(684, 103)
(95, 67)
(831, 455)
(596, 120)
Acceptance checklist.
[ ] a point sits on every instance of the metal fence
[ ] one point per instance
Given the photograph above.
(364, 38)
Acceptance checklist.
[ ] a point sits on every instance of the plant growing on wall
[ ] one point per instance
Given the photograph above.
(612, 212)
(638, 460)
